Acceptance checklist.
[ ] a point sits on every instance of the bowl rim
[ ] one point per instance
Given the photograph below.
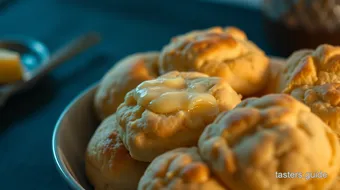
(60, 164)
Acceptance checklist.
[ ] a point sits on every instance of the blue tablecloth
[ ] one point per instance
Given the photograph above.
(127, 26)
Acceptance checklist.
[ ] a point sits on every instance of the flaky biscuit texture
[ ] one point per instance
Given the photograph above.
(276, 68)
(336, 185)
(171, 112)
(247, 146)
(123, 77)
(221, 52)
(109, 165)
(324, 101)
(308, 67)
(179, 169)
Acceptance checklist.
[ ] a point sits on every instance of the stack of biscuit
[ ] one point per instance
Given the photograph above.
(211, 111)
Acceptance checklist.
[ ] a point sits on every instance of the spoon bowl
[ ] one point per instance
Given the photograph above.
(37, 62)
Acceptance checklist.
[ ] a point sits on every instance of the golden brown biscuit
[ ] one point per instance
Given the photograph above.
(218, 52)
(108, 164)
(324, 101)
(123, 77)
(308, 67)
(252, 146)
(179, 169)
(171, 111)
(336, 184)
(233, 31)
(276, 67)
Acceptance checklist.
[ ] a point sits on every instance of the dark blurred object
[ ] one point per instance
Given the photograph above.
(296, 24)
(4, 4)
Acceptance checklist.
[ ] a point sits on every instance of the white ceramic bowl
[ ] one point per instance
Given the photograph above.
(74, 130)
(71, 136)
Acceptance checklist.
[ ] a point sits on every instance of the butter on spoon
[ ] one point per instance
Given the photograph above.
(10, 66)
(65, 53)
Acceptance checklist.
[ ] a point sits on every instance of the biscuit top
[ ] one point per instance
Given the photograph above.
(215, 44)
(178, 91)
(220, 52)
(327, 95)
(180, 168)
(232, 31)
(189, 167)
(266, 112)
(324, 101)
(236, 33)
(270, 134)
(307, 67)
(275, 109)
(171, 112)
(124, 76)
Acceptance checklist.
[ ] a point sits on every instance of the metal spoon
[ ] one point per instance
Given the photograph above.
(30, 77)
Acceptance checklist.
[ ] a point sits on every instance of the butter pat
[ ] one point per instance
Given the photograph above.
(168, 95)
(10, 67)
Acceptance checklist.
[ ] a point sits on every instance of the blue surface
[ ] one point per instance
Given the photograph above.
(27, 122)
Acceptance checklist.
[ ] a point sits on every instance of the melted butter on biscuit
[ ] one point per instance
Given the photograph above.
(167, 95)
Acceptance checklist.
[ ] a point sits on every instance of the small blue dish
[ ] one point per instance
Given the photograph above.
(33, 55)
(36, 59)
(32, 52)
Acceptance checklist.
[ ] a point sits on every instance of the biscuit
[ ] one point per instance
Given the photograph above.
(324, 101)
(179, 169)
(336, 184)
(252, 146)
(276, 67)
(171, 112)
(108, 163)
(308, 67)
(221, 52)
(123, 77)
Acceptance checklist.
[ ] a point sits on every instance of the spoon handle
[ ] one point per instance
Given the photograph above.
(68, 51)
